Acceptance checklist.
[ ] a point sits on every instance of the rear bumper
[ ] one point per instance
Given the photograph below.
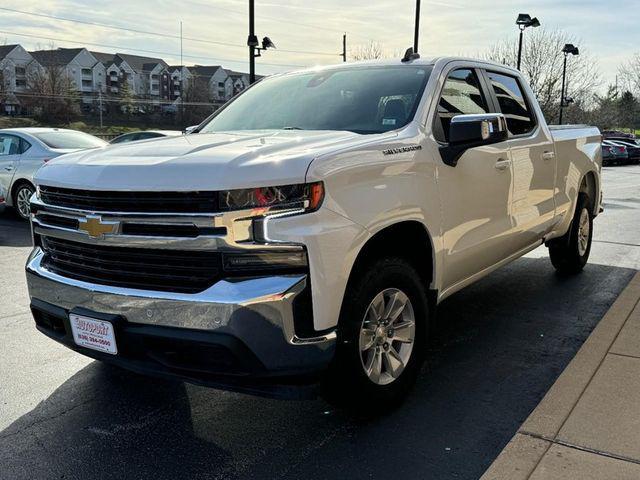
(239, 334)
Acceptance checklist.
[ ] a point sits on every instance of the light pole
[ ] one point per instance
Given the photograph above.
(254, 45)
(568, 49)
(524, 21)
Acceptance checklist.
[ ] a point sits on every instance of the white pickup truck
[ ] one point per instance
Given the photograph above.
(303, 235)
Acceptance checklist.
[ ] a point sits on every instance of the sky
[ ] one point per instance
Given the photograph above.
(308, 33)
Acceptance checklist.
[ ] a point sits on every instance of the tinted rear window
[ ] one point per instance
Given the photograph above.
(513, 103)
(69, 140)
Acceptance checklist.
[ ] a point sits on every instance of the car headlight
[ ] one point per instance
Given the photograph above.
(307, 196)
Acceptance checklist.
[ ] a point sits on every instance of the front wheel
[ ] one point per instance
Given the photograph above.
(569, 253)
(21, 200)
(381, 338)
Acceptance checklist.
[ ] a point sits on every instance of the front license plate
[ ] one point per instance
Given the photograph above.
(93, 333)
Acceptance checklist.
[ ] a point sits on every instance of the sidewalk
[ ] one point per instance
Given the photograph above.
(588, 424)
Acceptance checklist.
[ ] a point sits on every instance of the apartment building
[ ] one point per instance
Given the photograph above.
(97, 73)
(80, 65)
(16, 64)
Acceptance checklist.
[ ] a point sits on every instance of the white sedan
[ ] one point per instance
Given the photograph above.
(24, 150)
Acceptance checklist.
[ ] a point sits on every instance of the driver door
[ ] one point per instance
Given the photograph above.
(476, 195)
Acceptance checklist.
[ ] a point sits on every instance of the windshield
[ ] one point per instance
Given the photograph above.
(362, 100)
(69, 140)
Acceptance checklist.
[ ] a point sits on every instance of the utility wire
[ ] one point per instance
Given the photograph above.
(147, 32)
(155, 52)
(144, 101)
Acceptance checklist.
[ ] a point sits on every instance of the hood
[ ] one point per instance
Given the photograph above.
(215, 161)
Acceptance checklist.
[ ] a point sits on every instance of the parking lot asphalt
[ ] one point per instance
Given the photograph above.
(500, 344)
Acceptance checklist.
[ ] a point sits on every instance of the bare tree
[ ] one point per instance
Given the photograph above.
(196, 98)
(368, 51)
(542, 63)
(52, 93)
(629, 75)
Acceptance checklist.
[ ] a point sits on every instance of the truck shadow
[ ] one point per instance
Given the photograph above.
(498, 347)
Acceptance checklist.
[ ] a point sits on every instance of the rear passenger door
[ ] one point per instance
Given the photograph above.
(532, 154)
(476, 193)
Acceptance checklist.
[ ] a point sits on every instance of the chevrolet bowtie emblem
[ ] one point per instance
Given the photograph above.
(96, 227)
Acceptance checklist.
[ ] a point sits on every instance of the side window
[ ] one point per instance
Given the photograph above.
(9, 145)
(24, 145)
(461, 95)
(513, 103)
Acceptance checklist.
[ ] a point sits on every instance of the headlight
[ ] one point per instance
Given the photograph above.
(307, 196)
(261, 261)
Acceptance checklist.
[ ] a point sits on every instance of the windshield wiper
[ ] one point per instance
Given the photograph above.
(292, 128)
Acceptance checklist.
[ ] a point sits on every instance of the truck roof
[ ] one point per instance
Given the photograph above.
(419, 61)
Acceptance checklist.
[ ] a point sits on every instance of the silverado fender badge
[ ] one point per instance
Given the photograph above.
(395, 151)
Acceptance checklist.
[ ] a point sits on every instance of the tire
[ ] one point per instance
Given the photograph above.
(347, 383)
(21, 195)
(569, 253)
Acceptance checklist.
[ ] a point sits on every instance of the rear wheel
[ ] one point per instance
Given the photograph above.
(21, 200)
(381, 338)
(569, 253)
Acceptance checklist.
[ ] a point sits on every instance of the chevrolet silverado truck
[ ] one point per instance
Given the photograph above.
(301, 237)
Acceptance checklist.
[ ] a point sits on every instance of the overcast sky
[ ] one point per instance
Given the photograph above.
(611, 34)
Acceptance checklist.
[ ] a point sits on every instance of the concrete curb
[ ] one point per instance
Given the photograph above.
(539, 433)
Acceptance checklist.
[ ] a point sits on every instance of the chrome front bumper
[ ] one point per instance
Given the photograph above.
(257, 311)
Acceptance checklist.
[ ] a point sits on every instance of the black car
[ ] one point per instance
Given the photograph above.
(633, 148)
(614, 154)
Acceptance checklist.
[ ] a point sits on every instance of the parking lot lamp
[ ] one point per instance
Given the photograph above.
(254, 45)
(568, 49)
(523, 21)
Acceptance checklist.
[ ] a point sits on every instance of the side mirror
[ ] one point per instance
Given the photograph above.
(470, 131)
(190, 129)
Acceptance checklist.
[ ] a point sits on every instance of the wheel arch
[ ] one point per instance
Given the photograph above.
(14, 188)
(589, 185)
(416, 246)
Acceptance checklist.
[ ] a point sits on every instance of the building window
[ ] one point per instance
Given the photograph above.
(21, 83)
(220, 84)
(87, 84)
(86, 72)
(155, 77)
(20, 72)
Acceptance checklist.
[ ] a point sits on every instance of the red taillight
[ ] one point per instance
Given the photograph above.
(622, 149)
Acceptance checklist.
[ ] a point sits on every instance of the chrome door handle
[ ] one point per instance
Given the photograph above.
(8, 169)
(502, 164)
(548, 156)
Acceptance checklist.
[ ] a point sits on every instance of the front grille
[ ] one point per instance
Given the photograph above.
(144, 202)
(147, 269)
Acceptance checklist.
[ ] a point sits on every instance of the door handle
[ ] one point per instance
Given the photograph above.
(548, 156)
(502, 164)
(8, 169)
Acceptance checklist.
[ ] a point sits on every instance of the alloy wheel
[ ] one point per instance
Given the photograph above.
(23, 197)
(584, 231)
(387, 336)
